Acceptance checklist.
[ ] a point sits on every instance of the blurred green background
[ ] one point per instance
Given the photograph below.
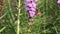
(48, 22)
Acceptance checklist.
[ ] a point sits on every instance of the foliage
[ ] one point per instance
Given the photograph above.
(48, 22)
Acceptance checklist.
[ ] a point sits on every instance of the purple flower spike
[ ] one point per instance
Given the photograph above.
(31, 7)
(58, 2)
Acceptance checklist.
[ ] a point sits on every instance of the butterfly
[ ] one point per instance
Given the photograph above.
(37, 12)
(2, 2)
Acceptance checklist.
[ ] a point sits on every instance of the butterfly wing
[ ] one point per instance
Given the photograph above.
(37, 12)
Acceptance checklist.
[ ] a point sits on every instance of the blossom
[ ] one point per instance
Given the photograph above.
(31, 14)
(30, 7)
(58, 2)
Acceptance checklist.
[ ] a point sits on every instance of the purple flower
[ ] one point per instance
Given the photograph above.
(58, 2)
(28, 1)
(31, 14)
(29, 4)
(31, 7)
(34, 0)
(34, 5)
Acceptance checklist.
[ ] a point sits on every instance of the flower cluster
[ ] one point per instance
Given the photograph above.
(58, 2)
(31, 7)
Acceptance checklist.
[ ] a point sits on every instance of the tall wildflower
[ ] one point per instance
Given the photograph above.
(30, 7)
(58, 2)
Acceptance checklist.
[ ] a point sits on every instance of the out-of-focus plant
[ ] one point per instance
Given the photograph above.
(48, 22)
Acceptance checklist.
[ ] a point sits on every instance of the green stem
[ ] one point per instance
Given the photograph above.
(18, 29)
(56, 30)
(55, 27)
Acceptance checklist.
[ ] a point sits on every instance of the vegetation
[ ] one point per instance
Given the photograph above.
(48, 22)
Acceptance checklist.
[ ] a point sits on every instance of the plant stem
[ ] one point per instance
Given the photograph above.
(18, 29)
